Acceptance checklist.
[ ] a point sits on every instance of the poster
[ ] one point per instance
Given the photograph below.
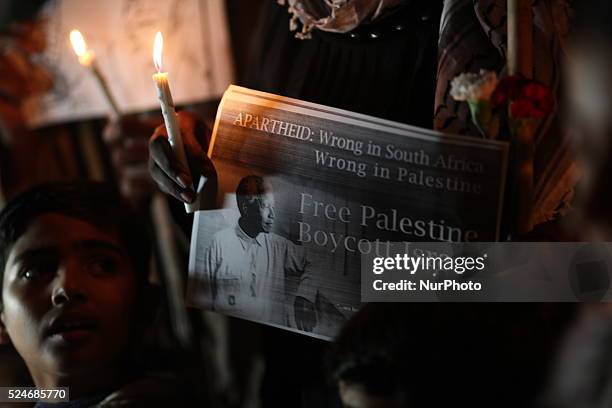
(197, 55)
(305, 190)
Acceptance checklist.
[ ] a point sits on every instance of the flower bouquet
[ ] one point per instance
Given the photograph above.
(524, 101)
(520, 105)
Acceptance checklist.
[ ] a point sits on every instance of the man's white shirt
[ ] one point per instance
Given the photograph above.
(253, 277)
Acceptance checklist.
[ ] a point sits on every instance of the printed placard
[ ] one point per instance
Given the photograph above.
(306, 189)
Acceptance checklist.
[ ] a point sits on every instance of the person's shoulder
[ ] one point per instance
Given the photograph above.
(278, 240)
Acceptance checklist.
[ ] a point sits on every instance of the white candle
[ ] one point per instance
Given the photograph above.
(87, 59)
(167, 107)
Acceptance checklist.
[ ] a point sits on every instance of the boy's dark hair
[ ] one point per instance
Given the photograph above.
(424, 354)
(96, 203)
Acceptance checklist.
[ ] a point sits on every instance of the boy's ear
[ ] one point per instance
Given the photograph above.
(4, 337)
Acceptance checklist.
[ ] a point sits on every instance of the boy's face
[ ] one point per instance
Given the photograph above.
(69, 296)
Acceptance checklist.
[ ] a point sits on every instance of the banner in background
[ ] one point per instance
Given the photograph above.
(197, 55)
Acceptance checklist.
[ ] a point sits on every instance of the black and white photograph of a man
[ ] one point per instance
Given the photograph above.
(252, 270)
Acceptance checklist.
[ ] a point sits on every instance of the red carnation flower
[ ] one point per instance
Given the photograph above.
(535, 90)
(507, 90)
(541, 97)
(527, 99)
(522, 109)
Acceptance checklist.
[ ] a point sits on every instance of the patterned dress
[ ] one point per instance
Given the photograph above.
(473, 37)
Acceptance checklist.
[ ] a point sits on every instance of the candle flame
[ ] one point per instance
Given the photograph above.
(78, 43)
(158, 48)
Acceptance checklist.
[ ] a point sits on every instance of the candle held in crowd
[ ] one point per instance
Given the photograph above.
(87, 59)
(167, 107)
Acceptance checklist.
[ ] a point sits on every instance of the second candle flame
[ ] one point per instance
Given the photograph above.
(78, 43)
(158, 48)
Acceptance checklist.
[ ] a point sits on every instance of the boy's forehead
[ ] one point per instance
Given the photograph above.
(61, 231)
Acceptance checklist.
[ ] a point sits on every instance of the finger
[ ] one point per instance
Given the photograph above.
(163, 156)
(168, 186)
(196, 136)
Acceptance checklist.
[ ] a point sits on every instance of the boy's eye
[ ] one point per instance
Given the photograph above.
(102, 265)
(33, 271)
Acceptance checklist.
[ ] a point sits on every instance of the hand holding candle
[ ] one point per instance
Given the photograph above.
(167, 107)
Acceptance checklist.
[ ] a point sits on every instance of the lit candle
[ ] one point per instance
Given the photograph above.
(167, 108)
(87, 59)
